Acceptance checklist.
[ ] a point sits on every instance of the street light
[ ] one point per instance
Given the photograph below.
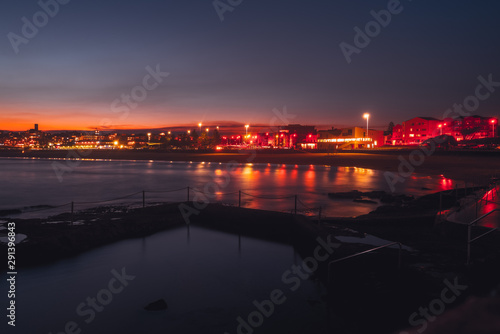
(367, 116)
(493, 127)
(189, 132)
(440, 126)
(246, 129)
(199, 124)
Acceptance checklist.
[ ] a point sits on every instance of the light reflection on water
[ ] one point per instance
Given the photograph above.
(29, 182)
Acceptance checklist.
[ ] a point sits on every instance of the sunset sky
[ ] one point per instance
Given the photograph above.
(263, 55)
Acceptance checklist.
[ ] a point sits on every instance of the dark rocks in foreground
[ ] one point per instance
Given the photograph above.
(359, 196)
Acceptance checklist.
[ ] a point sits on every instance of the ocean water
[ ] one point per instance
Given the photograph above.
(207, 278)
(30, 184)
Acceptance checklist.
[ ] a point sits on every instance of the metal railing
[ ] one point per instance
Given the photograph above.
(469, 228)
(366, 252)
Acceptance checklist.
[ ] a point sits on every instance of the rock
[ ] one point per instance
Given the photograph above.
(346, 195)
(158, 305)
(355, 194)
(375, 194)
(364, 201)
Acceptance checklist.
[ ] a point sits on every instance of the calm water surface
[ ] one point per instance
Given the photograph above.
(207, 278)
(33, 182)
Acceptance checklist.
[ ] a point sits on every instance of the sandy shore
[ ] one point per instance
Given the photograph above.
(475, 167)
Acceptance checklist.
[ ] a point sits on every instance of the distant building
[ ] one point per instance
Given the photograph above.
(34, 138)
(296, 136)
(471, 127)
(417, 130)
(397, 135)
(349, 138)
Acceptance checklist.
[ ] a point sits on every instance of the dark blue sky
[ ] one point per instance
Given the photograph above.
(262, 56)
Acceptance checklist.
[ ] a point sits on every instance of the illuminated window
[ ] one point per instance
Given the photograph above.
(412, 135)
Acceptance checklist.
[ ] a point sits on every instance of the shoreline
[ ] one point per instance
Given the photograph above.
(479, 166)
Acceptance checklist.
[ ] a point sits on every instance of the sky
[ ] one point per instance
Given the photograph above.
(252, 62)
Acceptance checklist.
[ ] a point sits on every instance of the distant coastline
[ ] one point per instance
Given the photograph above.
(469, 166)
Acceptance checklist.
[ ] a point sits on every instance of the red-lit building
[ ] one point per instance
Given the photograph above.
(469, 128)
(231, 140)
(397, 135)
(419, 129)
(298, 136)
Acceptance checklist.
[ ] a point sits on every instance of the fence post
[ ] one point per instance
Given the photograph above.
(468, 244)
(440, 205)
(476, 207)
(143, 199)
(295, 210)
(239, 199)
(188, 193)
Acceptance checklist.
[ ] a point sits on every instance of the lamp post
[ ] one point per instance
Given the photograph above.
(367, 116)
(246, 131)
(440, 126)
(199, 124)
(493, 128)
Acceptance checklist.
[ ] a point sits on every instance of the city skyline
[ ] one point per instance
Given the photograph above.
(73, 71)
